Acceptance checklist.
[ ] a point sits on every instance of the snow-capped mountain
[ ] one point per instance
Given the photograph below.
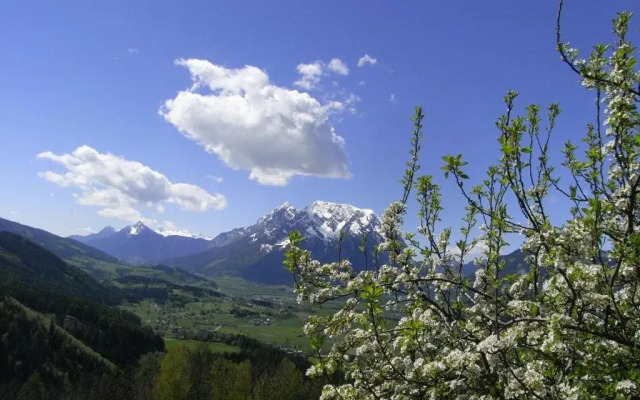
(255, 252)
(139, 244)
(138, 229)
(321, 221)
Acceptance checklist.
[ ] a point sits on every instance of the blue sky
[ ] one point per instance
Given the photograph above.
(102, 124)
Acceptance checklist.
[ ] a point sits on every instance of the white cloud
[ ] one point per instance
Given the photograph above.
(132, 50)
(84, 230)
(336, 65)
(367, 60)
(118, 186)
(392, 99)
(310, 75)
(250, 123)
(361, 83)
(216, 179)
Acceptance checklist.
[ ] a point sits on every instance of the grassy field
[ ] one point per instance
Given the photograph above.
(264, 312)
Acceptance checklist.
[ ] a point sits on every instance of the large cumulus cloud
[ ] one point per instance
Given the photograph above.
(250, 123)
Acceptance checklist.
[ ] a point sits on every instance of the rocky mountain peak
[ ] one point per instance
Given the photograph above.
(332, 218)
(321, 220)
(107, 230)
(136, 229)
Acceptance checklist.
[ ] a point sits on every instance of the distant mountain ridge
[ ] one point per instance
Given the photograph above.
(139, 244)
(62, 247)
(255, 252)
(24, 262)
(105, 232)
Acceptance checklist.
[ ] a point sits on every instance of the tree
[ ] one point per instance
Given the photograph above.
(569, 328)
(33, 389)
(285, 384)
(174, 381)
(146, 373)
(201, 359)
(230, 381)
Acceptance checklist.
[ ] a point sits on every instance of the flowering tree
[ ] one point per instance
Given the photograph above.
(569, 328)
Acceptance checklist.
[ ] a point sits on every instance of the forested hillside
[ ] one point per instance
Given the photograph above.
(58, 325)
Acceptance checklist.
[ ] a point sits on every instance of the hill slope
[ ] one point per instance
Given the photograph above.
(62, 247)
(37, 351)
(23, 261)
(56, 328)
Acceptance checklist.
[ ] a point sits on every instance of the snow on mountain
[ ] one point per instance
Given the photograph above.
(256, 252)
(139, 244)
(136, 229)
(321, 220)
(181, 232)
(139, 227)
(336, 217)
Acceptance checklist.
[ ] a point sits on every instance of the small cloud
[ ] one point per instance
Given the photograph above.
(361, 83)
(367, 60)
(84, 231)
(132, 50)
(336, 65)
(216, 179)
(310, 75)
(14, 212)
(392, 99)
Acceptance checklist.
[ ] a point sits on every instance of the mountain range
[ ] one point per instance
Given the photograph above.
(139, 244)
(254, 252)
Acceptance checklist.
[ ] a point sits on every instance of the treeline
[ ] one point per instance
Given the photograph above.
(138, 288)
(200, 374)
(116, 334)
(263, 356)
